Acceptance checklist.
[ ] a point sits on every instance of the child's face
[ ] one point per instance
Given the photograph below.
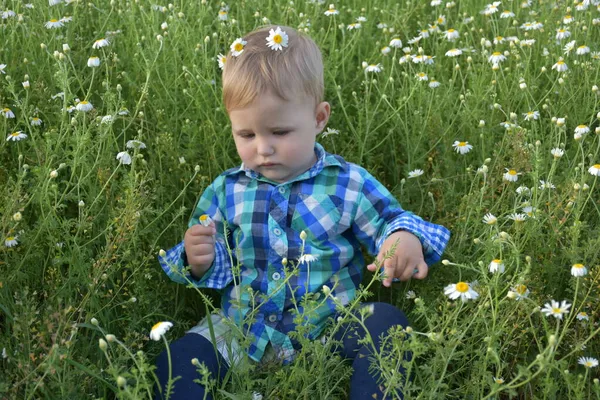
(274, 131)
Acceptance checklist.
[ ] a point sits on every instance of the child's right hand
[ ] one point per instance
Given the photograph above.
(199, 242)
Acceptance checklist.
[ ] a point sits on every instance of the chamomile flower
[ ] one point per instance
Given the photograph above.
(2, 68)
(84, 106)
(594, 170)
(557, 152)
(588, 362)
(499, 40)
(16, 136)
(237, 47)
(562, 33)
(331, 11)
(462, 290)
(451, 35)
(7, 113)
(441, 20)
(496, 266)
(374, 68)
(100, 43)
(54, 24)
(93, 62)
(11, 241)
(517, 217)
(277, 39)
(410, 295)
(124, 158)
(546, 185)
(507, 14)
(454, 53)
(511, 175)
(518, 292)
(421, 76)
(578, 270)
(396, 43)
(582, 129)
(205, 220)
(583, 316)
(159, 329)
(491, 8)
(385, 50)
(499, 380)
(415, 173)
(222, 15)
(560, 66)
(221, 59)
(567, 19)
(308, 258)
(35, 121)
(330, 131)
(434, 84)
(582, 50)
(496, 57)
(135, 144)
(353, 26)
(531, 115)
(462, 147)
(555, 309)
(489, 219)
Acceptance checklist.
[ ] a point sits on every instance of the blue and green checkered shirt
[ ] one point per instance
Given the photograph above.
(338, 204)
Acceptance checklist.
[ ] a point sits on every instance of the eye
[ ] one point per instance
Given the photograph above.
(246, 135)
(281, 133)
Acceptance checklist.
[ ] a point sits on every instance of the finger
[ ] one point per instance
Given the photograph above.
(423, 270)
(389, 271)
(199, 230)
(372, 267)
(407, 271)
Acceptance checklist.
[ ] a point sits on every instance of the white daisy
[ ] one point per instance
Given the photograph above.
(581, 50)
(546, 185)
(7, 113)
(582, 129)
(415, 173)
(100, 43)
(331, 11)
(489, 219)
(16, 136)
(396, 43)
(277, 39)
(562, 33)
(496, 266)
(353, 26)
(588, 362)
(308, 258)
(453, 52)
(462, 147)
(84, 106)
(518, 292)
(567, 19)
(135, 144)
(237, 47)
(507, 14)
(560, 66)
(93, 62)
(222, 15)
(35, 121)
(107, 120)
(555, 309)
(374, 68)
(330, 131)
(583, 316)
(496, 57)
(385, 50)
(517, 217)
(462, 290)
(159, 329)
(221, 59)
(11, 241)
(410, 295)
(2, 67)
(557, 152)
(53, 24)
(530, 211)
(421, 76)
(124, 158)
(531, 115)
(578, 270)
(594, 170)
(451, 35)
(433, 84)
(205, 220)
(511, 175)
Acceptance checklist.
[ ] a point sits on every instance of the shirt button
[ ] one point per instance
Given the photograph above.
(281, 189)
(277, 231)
(276, 276)
(272, 318)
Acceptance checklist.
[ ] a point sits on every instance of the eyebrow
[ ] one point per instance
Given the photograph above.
(273, 129)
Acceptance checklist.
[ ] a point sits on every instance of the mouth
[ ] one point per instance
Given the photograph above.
(268, 164)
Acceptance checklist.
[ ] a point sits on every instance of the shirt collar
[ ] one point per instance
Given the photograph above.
(324, 160)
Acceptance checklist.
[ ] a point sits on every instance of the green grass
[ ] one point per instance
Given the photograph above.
(89, 234)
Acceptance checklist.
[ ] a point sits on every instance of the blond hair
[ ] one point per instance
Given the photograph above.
(296, 69)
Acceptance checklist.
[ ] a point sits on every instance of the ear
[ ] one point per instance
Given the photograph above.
(322, 112)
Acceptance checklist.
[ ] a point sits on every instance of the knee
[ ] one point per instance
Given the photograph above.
(390, 314)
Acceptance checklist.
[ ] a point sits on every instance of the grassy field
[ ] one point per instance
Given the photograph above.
(485, 118)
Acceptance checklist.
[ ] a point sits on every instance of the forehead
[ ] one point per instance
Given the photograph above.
(269, 109)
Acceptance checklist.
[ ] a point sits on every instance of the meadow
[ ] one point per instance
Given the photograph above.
(481, 117)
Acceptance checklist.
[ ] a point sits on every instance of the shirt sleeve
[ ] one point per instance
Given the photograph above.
(219, 275)
(378, 214)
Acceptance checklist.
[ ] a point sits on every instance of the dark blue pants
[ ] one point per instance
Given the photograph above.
(363, 385)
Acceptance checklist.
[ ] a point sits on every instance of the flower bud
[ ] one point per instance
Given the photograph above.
(111, 338)
(552, 340)
(121, 382)
(445, 262)
(162, 253)
(481, 123)
(303, 235)
(53, 174)
(284, 262)
(408, 329)
(94, 322)
(102, 344)
(17, 216)
(81, 203)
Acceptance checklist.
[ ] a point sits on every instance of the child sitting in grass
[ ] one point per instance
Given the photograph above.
(289, 201)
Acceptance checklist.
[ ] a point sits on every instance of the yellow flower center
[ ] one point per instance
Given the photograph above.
(561, 30)
(578, 266)
(462, 287)
(462, 144)
(53, 20)
(583, 314)
(239, 47)
(596, 166)
(222, 12)
(582, 47)
(497, 53)
(14, 134)
(84, 102)
(512, 172)
(10, 238)
(581, 126)
(156, 325)
(277, 39)
(588, 364)
(497, 261)
(499, 38)
(203, 217)
(450, 30)
(5, 109)
(555, 310)
(521, 289)
(560, 62)
(421, 74)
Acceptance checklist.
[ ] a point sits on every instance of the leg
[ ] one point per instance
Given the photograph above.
(362, 384)
(182, 351)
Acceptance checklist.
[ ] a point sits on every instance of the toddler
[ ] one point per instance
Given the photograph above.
(289, 200)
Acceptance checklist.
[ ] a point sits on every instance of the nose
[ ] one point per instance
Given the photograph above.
(264, 147)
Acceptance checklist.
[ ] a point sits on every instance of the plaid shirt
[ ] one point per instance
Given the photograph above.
(337, 203)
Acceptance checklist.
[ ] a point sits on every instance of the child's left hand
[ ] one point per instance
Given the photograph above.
(407, 258)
